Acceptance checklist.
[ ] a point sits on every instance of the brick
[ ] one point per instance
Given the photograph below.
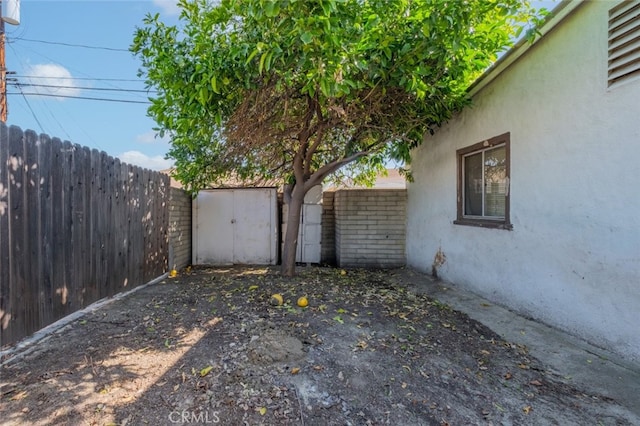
(370, 227)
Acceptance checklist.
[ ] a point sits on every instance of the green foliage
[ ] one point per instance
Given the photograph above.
(294, 90)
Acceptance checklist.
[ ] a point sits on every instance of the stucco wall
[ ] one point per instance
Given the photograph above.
(572, 259)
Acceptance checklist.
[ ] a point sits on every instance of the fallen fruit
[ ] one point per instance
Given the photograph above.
(343, 272)
(276, 299)
(303, 302)
(173, 273)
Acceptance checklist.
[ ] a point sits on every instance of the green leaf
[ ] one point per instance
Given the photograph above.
(325, 87)
(262, 60)
(214, 84)
(267, 62)
(306, 38)
(203, 95)
(327, 6)
(272, 8)
(251, 56)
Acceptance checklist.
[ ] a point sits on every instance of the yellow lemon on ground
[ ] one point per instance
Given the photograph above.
(276, 299)
(343, 272)
(173, 273)
(303, 302)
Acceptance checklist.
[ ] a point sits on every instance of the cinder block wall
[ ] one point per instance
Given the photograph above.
(370, 227)
(328, 244)
(179, 228)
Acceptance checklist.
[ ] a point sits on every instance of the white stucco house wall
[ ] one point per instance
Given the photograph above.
(531, 196)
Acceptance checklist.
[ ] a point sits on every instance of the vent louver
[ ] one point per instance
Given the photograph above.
(624, 41)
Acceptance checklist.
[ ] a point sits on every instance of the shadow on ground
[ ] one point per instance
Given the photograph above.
(209, 347)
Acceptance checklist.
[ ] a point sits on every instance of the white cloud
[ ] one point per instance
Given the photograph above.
(170, 7)
(157, 162)
(51, 79)
(151, 137)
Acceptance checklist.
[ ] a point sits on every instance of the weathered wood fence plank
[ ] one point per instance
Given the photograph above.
(75, 226)
(45, 208)
(31, 216)
(5, 304)
(17, 234)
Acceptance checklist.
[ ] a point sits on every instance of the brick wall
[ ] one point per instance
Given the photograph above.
(179, 229)
(370, 227)
(328, 241)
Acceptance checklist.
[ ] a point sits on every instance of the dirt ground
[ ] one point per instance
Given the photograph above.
(208, 347)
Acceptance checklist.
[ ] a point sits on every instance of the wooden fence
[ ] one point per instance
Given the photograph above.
(75, 226)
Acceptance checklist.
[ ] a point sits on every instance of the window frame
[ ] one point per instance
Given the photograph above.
(484, 221)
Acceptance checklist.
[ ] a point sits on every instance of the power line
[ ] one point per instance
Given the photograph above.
(72, 78)
(53, 117)
(81, 88)
(80, 97)
(79, 78)
(30, 109)
(113, 49)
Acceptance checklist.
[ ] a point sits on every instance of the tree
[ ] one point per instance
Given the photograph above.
(297, 90)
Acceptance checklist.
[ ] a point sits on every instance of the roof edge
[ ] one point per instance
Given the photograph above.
(557, 15)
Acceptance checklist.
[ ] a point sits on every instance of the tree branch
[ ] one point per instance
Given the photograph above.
(319, 135)
(303, 138)
(318, 176)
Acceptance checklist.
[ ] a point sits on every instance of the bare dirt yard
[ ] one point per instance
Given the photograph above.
(208, 347)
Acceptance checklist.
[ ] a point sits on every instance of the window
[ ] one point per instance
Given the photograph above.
(483, 184)
(624, 41)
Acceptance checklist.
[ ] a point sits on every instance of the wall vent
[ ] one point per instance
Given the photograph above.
(624, 41)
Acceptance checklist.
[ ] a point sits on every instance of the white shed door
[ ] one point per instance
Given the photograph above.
(254, 227)
(310, 233)
(308, 249)
(235, 226)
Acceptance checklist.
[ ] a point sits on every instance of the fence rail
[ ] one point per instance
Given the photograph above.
(76, 225)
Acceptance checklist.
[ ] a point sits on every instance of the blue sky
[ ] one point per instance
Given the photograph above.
(38, 53)
(34, 55)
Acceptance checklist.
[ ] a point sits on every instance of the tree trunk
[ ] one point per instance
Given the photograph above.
(288, 268)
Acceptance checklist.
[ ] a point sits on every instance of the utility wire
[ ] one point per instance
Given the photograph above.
(79, 97)
(81, 88)
(26, 101)
(113, 49)
(79, 78)
(44, 104)
(35, 117)
(72, 78)
(53, 117)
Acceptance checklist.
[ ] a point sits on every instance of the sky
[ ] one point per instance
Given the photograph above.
(81, 48)
(46, 49)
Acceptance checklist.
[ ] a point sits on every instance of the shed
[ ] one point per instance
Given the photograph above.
(235, 226)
